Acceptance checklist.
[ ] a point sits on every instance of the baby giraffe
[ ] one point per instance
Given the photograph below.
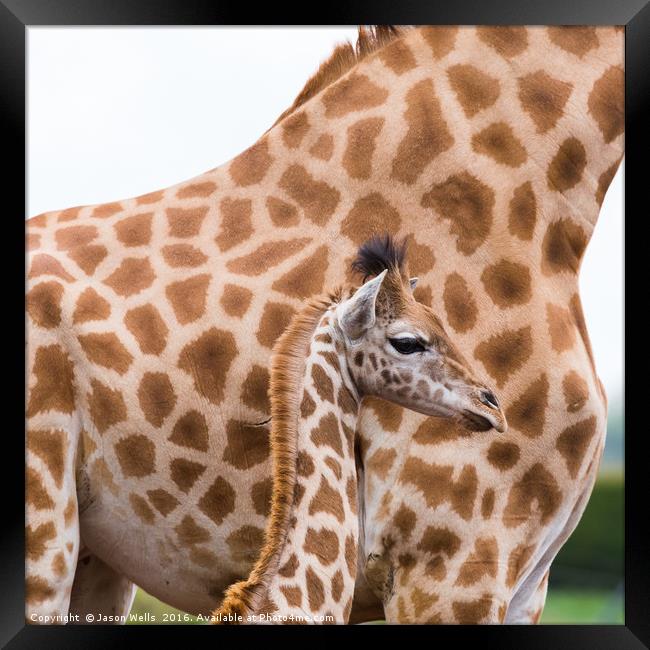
(376, 340)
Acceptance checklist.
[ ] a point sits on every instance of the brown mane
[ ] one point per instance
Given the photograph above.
(344, 57)
(287, 370)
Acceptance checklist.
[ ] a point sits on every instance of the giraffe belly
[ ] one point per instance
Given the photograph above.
(164, 560)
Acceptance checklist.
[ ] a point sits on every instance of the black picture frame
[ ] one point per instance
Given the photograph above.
(17, 15)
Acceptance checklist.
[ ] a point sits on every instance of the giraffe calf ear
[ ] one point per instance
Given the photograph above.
(357, 314)
(413, 282)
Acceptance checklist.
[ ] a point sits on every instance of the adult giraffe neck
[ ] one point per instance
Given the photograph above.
(484, 135)
(312, 530)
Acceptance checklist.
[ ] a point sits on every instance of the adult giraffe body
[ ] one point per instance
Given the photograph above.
(151, 322)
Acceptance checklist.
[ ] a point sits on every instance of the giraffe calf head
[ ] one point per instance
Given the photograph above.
(398, 349)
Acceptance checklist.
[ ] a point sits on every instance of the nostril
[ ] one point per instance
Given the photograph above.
(489, 399)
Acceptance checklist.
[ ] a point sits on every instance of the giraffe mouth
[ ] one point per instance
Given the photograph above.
(475, 422)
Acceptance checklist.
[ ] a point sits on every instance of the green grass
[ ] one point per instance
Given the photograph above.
(593, 556)
(564, 606)
(152, 612)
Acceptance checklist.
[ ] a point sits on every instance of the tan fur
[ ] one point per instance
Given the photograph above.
(344, 57)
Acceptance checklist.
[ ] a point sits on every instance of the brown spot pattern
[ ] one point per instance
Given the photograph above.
(474, 89)
(543, 98)
(194, 190)
(136, 455)
(236, 300)
(573, 39)
(327, 433)
(183, 255)
(90, 306)
(250, 167)
(245, 543)
(282, 214)
(306, 278)
(44, 304)
(327, 499)
(106, 406)
(36, 539)
(254, 390)
(106, 210)
(527, 413)
(131, 277)
(427, 135)
(440, 39)
(500, 143)
(261, 495)
(573, 442)
(567, 166)
(53, 390)
(49, 446)
(369, 215)
(74, 237)
(354, 92)
(522, 214)
(482, 561)
(507, 41)
(315, 590)
(561, 327)
(606, 103)
(460, 304)
(436, 484)
(467, 203)
(505, 353)
(162, 501)
(207, 360)
(503, 455)
(397, 56)
(185, 473)
(563, 246)
(186, 222)
(141, 508)
(275, 319)
(190, 533)
(107, 351)
(134, 230)
(576, 391)
(248, 445)
(35, 492)
(507, 283)
(357, 157)
(266, 256)
(43, 264)
(324, 544)
(537, 492)
(236, 226)
(156, 397)
(187, 297)
(148, 328)
(294, 129)
(219, 500)
(317, 199)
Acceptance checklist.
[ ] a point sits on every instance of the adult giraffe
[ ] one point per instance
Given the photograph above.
(151, 322)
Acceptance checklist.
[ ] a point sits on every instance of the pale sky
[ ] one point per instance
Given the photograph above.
(117, 112)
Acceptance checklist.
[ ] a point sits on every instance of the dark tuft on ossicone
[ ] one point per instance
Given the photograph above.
(379, 253)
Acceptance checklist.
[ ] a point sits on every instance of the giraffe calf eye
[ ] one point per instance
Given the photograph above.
(407, 345)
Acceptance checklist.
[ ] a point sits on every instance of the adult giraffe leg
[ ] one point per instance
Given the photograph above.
(527, 604)
(52, 522)
(100, 591)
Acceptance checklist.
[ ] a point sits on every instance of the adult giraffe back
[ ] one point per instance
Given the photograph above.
(151, 322)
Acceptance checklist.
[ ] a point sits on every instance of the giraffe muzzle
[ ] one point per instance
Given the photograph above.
(485, 413)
